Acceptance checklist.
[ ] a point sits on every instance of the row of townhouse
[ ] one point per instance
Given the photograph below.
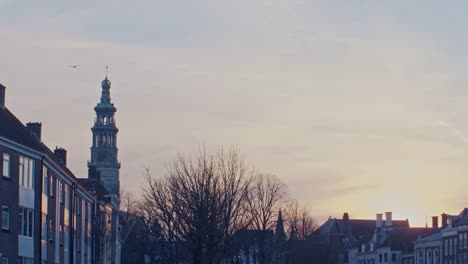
(363, 241)
(47, 214)
(445, 244)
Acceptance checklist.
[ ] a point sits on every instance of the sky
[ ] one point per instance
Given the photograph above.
(359, 106)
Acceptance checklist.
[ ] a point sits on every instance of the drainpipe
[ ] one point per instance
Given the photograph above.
(72, 221)
(40, 208)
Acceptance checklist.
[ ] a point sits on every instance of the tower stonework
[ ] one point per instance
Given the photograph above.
(104, 160)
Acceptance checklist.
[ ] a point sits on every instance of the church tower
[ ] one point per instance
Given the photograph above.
(104, 164)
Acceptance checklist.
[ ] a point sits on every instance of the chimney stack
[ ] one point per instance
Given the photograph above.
(444, 217)
(346, 217)
(379, 223)
(388, 219)
(35, 129)
(435, 222)
(61, 155)
(2, 95)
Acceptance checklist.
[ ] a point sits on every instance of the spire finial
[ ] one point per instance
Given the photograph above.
(107, 70)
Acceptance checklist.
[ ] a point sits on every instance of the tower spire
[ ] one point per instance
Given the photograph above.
(279, 230)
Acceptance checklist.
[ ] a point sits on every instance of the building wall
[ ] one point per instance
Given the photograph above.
(9, 194)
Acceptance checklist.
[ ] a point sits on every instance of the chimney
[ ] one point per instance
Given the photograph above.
(444, 220)
(2, 95)
(379, 223)
(35, 129)
(435, 222)
(346, 217)
(388, 219)
(61, 155)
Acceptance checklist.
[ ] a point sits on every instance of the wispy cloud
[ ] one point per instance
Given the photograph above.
(333, 97)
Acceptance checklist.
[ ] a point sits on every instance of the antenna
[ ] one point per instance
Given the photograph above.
(107, 70)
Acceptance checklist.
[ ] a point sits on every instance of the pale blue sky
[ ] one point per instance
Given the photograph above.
(359, 106)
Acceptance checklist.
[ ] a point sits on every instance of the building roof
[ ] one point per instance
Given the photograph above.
(12, 129)
(434, 237)
(249, 236)
(461, 219)
(355, 231)
(95, 186)
(402, 238)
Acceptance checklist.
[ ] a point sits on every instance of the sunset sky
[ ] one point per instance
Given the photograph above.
(359, 106)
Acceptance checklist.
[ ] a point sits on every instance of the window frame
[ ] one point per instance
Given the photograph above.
(45, 180)
(6, 166)
(7, 228)
(26, 222)
(26, 172)
(51, 186)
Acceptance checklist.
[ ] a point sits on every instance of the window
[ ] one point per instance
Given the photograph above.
(25, 260)
(78, 206)
(45, 181)
(26, 172)
(385, 257)
(61, 192)
(4, 260)
(465, 235)
(26, 221)
(5, 218)
(51, 187)
(393, 257)
(44, 227)
(6, 165)
(67, 196)
(61, 235)
(51, 228)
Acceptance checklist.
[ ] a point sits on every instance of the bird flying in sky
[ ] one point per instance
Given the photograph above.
(74, 66)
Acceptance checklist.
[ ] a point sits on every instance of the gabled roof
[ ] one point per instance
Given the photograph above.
(12, 129)
(462, 218)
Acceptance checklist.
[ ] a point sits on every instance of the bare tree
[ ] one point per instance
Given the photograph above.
(201, 203)
(266, 196)
(300, 223)
(127, 217)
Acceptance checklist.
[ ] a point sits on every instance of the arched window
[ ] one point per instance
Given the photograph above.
(429, 257)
